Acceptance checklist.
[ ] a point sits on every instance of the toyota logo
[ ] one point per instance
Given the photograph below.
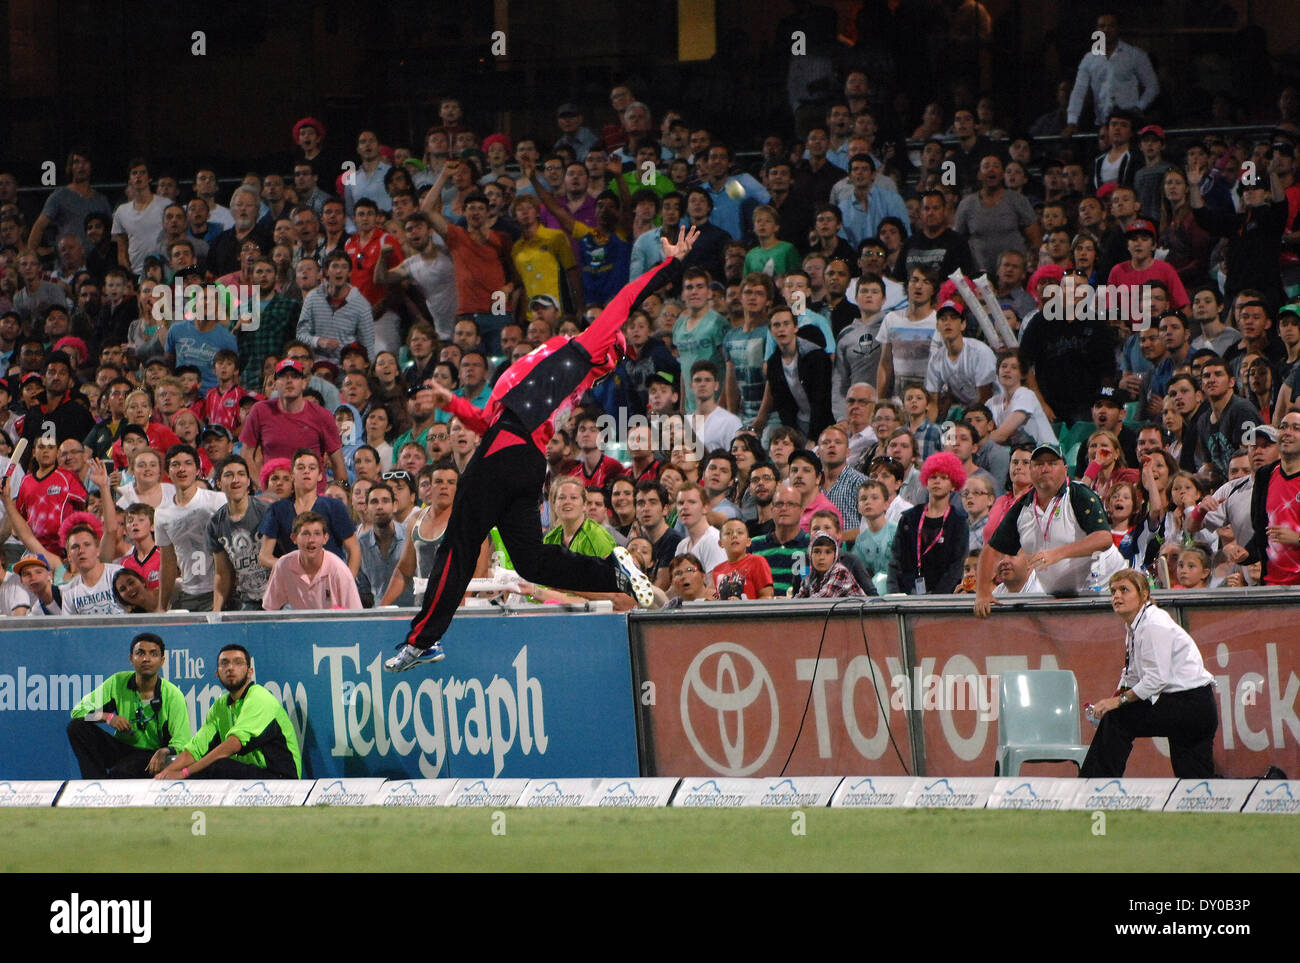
(729, 700)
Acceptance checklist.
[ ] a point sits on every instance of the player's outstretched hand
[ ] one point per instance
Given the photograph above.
(442, 395)
(685, 241)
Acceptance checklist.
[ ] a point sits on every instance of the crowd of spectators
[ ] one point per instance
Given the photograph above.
(229, 398)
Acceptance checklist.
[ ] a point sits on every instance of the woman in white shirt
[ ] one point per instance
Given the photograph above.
(1015, 408)
(149, 488)
(1164, 690)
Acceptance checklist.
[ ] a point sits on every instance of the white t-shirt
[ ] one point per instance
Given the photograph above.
(15, 481)
(911, 347)
(14, 594)
(220, 214)
(708, 549)
(717, 430)
(141, 228)
(896, 508)
(436, 280)
(185, 529)
(975, 367)
(1036, 424)
(82, 599)
(127, 495)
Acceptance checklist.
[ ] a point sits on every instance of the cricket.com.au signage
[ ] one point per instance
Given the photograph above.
(518, 696)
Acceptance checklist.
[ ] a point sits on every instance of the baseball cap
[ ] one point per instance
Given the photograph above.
(33, 376)
(31, 558)
(290, 364)
(567, 110)
(1046, 448)
(951, 306)
(1291, 308)
(1268, 431)
(1141, 227)
(663, 378)
(1155, 130)
(221, 431)
(545, 300)
(1117, 397)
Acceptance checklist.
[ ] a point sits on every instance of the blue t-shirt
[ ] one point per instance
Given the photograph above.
(278, 524)
(189, 345)
(604, 267)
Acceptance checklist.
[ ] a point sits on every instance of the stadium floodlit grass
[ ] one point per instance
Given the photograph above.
(326, 839)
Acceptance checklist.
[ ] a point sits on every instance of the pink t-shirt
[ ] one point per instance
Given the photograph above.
(279, 434)
(818, 503)
(333, 587)
(1123, 273)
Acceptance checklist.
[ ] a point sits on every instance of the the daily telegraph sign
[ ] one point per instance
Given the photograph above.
(517, 696)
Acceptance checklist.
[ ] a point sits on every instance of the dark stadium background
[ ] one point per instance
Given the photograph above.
(118, 75)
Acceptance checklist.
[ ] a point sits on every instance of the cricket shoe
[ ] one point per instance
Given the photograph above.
(631, 581)
(408, 657)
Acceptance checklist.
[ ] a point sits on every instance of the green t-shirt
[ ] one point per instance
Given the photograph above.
(875, 548)
(261, 725)
(591, 540)
(164, 721)
(780, 259)
(705, 341)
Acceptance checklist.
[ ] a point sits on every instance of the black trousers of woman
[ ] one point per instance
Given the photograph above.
(1188, 719)
(499, 488)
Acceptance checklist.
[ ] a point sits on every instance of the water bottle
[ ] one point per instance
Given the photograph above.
(1090, 714)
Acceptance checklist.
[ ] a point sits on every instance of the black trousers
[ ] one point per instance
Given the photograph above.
(234, 769)
(1189, 719)
(100, 756)
(499, 488)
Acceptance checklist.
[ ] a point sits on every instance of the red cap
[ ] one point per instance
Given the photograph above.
(290, 364)
(1141, 226)
(1154, 129)
(1106, 189)
(951, 306)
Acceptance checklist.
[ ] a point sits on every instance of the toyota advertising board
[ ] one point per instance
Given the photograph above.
(1253, 654)
(737, 696)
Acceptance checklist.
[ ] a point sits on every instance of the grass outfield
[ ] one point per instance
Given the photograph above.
(325, 839)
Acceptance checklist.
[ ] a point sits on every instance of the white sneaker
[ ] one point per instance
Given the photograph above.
(408, 657)
(631, 580)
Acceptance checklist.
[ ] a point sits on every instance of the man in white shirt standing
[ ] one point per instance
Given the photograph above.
(138, 222)
(1117, 75)
(712, 424)
(182, 532)
(1061, 528)
(701, 538)
(961, 371)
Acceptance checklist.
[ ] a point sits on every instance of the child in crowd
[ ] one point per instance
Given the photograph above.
(1193, 568)
(742, 575)
(916, 405)
(875, 542)
(1122, 503)
(828, 577)
(890, 473)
